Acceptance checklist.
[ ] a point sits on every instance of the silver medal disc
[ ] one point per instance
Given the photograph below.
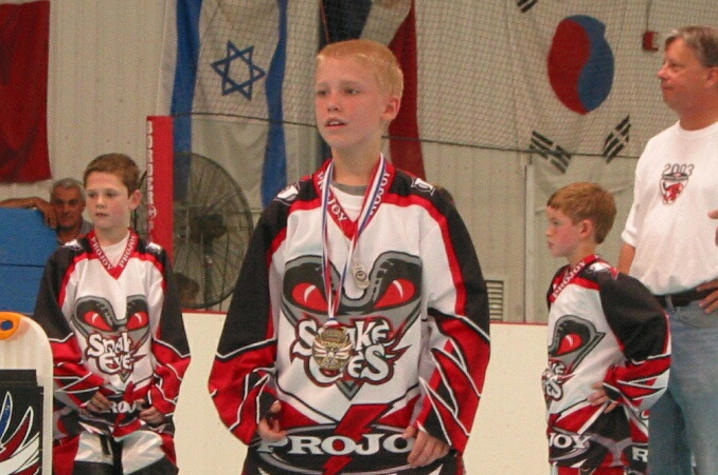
(360, 276)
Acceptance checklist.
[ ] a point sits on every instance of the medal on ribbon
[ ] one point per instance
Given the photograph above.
(332, 348)
(569, 274)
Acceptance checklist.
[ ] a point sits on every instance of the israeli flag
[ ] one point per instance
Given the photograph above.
(231, 67)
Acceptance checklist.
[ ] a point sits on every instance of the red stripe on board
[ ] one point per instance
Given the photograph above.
(160, 183)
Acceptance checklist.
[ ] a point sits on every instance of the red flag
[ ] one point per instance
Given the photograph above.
(24, 36)
(406, 149)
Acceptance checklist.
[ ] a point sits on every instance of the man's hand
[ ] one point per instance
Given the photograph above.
(48, 211)
(426, 447)
(714, 215)
(710, 303)
(600, 397)
(269, 428)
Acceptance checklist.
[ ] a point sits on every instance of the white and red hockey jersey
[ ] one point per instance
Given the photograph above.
(604, 327)
(114, 329)
(419, 333)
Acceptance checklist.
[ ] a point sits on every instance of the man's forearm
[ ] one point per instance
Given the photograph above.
(625, 258)
(29, 202)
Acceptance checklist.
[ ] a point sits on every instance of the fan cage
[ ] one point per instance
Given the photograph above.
(211, 232)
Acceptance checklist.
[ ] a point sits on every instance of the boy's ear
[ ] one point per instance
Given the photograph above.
(392, 108)
(586, 228)
(135, 199)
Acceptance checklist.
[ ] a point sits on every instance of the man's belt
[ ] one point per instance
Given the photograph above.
(681, 299)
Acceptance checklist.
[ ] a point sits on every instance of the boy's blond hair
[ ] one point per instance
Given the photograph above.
(374, 55)
(119, 165)
(583, 200)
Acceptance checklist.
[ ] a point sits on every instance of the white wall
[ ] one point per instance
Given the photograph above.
(507, 438)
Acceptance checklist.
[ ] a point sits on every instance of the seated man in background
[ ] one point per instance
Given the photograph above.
(64, 210)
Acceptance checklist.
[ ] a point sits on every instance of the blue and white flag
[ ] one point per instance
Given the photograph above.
(235, 84)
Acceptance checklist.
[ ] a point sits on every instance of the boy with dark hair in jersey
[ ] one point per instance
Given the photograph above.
(109, 306)
(608, 345)
(357, 338)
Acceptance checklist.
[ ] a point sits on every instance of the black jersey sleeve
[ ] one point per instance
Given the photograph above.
(641, 327)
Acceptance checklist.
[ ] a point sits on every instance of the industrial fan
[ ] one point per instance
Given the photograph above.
(212, 228)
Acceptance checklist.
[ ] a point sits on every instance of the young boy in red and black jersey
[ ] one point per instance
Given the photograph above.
(608, 345)
(357, 338)
(109, 306)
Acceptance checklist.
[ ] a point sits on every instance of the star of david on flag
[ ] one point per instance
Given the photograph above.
(224, 69)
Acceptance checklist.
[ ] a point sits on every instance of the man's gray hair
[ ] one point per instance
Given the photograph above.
(68, 183)
(702, 39)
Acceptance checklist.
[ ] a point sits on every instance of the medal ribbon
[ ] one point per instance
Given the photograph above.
(115, 270)
(570, 274)
(371, 202)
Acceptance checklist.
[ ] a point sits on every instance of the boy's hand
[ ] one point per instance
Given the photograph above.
(600, 397)
(426, 448)
(151, 414)
(269, 428)
(98, 403)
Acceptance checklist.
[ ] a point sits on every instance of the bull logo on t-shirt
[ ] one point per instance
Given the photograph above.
(573, 338)
(674, 179)
(112, 342)
(388, 306)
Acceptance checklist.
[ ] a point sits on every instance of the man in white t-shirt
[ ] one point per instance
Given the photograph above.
(670, 246)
